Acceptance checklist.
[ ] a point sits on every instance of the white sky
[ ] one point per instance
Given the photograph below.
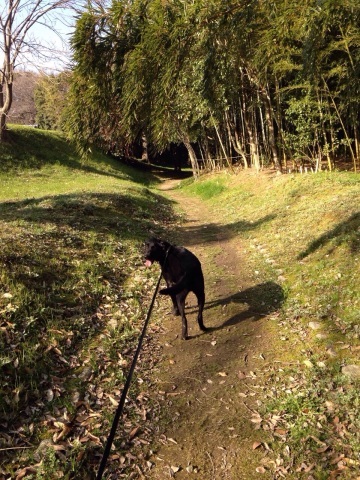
(56, 53)
(47, 45)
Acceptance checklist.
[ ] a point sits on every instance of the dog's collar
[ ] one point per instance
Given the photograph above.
(166, 257)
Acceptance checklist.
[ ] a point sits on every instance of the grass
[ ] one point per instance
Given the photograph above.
(206, 189)
(71, 298)
(303, 232)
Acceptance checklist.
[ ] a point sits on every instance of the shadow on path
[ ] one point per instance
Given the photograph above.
(261, 300)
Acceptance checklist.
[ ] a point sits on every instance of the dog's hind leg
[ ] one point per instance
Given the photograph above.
(175, 306)
(201, 302)
(181, 306)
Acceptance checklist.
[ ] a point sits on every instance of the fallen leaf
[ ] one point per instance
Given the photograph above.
(32, 469)
(134, 432)
(260, 470)
(49, 395)
(113, 401)
(308, 364)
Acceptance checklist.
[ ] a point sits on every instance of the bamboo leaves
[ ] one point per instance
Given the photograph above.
(256, 84)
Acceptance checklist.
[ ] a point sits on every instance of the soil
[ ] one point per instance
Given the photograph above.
(208, 387)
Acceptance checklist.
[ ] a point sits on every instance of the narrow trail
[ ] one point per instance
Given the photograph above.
(208, 386)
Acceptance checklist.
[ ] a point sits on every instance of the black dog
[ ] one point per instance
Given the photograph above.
(183, 274)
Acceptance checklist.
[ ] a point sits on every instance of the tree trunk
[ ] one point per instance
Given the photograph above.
(6, 98)
(271, 132)
(192, 157)
(144, 145)
(222, 145)
(254, 153)
(234, 139)
(2, 127)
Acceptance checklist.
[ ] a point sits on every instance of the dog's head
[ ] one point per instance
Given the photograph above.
(155, 251)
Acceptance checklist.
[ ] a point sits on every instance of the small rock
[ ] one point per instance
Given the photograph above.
(330, 351)
(321, 336)
(352, 371)
(315, 325)
(44, 446)
(113, 324)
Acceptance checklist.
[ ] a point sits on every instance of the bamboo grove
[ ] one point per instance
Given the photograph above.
(256, 82)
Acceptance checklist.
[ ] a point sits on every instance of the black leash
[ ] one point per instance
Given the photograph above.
(127, 383)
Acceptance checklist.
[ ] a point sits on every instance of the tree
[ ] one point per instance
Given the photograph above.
(17, 21)
(23, 106)
(50, 97)
(266, 82)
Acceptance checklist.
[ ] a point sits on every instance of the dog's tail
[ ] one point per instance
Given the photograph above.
(175, 289)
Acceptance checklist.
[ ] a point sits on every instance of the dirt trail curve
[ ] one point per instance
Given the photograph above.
(209, 385)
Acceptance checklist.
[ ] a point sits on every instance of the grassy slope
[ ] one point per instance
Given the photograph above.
(70, 297)
(70, 282)
(303, 231)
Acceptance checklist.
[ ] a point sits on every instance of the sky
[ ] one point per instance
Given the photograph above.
(48, 39)
(55, 42)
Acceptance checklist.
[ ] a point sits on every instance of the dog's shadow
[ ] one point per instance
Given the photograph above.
(254, 303)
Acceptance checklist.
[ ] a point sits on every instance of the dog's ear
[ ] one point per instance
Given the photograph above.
(163, 244)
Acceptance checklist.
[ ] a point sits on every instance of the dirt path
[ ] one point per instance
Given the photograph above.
(208, 387)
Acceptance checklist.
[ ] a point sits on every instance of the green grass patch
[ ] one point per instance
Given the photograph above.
(315, 413)
(208, 188)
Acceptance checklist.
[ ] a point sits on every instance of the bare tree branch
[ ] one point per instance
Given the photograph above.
(21, 42)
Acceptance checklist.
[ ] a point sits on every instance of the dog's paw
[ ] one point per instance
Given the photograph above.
(164, 291)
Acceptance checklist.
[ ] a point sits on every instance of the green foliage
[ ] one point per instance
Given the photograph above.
(50, 99)
(255, 79)
(302, 115)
